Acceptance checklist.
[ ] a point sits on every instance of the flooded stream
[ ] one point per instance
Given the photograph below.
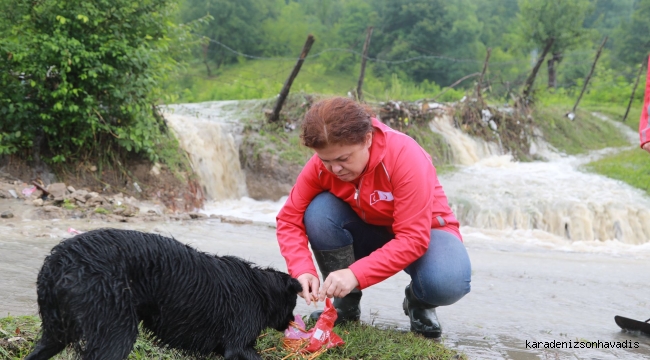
(556, 252)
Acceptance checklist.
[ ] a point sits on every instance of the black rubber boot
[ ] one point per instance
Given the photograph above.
(424, 320)
(347, 307)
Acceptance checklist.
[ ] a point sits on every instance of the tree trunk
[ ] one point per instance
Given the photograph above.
(528, 85)
(552, 78)
(205, 58)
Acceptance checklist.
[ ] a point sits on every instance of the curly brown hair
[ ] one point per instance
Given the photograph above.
(337, 120)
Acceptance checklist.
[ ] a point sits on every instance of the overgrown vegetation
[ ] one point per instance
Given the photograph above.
(18, 334)
(81, 81)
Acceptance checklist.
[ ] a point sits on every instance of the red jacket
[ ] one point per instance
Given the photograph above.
(399, 190)
(644, 127)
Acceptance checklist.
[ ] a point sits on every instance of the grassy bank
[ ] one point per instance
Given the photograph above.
(631, 166)
(585, 133)
(361, 342)
(590, 133)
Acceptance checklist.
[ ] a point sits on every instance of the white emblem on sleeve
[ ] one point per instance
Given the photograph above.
(377, 195)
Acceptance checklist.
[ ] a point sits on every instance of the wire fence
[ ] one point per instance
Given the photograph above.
(502, 77)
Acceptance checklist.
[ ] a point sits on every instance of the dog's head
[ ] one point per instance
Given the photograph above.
(283, 291)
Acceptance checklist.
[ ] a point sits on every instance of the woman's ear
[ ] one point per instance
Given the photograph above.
(369, 139)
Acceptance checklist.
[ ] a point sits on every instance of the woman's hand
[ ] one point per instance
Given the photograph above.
(646, 147)
(309, 284)
(338, 284)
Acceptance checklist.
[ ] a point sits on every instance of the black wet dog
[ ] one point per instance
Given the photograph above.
(95, 288)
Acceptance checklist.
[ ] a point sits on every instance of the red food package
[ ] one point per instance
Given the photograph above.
(322, 335)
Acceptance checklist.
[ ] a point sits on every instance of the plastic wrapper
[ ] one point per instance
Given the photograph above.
(315, 340)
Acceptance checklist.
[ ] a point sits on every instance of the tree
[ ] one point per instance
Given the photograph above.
(540, 20)
(81, 78)
(633, 42)
(236, 24)
(433, 32)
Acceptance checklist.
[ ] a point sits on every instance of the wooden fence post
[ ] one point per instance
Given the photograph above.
(584, 87)
(480, 80)
(636, 83)
(275, 115)
(364, 57)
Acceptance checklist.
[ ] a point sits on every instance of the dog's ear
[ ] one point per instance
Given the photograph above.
(294, 286)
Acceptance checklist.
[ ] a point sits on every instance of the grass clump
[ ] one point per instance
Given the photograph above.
(361, 342)
(101, 210)
(68, 205)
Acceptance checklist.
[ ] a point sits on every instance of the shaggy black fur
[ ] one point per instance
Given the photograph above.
(95, 288)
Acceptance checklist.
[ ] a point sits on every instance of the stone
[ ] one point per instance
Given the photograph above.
(130, 211)
(71, 189)
(91, 195)
(57, 190)
(38, 202)
(7, 215)
(155, 169)
(96, 201)
(195, 216)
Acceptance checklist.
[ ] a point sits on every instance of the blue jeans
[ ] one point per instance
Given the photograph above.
(440, 277)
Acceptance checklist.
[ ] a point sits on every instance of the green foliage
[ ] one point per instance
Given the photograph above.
(634, 44)
(540, 20)
(417, 28)
(78, 78)
(235, 22)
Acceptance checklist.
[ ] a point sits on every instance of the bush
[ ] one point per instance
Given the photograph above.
(80, 77)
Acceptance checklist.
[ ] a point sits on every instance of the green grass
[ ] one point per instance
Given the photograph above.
(617, 111)
(361, 342)
(101, 210)
(263, 79)
(581, 135)
(68, 205)
(631, 166)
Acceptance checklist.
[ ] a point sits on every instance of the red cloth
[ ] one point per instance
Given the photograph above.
(399, 190)
(644, 127)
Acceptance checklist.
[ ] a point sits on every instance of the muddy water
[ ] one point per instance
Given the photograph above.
(520, 291)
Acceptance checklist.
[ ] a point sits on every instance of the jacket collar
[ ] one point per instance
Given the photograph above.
(378, 147)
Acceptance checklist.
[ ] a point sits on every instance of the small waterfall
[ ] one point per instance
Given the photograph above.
(490, 191)
(465, 149)
(551, 196)
(209, 132)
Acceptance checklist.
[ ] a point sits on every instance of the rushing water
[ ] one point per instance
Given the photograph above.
(556, 252)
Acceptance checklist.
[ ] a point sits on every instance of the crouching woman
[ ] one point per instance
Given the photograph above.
(370, 205)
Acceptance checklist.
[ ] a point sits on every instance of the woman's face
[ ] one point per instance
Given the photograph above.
(347, 162)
